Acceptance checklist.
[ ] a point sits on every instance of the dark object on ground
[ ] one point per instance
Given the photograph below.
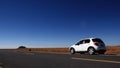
(21, 47)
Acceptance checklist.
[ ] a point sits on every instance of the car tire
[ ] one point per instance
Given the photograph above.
(72, 51)
(91, 51)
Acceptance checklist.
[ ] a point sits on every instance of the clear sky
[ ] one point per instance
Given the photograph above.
(58, 23)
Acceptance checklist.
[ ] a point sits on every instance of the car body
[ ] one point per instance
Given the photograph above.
(90, 45)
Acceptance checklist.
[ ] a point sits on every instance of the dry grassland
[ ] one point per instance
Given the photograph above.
(113, 50)
(110, 50)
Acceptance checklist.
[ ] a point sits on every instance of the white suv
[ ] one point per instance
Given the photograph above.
(90, 45)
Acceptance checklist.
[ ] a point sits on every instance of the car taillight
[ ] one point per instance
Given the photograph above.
(96, 44)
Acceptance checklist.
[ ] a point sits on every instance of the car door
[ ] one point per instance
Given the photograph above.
(78, 46)
(85, 45)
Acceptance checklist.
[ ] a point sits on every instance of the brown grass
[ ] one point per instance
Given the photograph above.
(113, 50)
(110, 50)
(50, 50)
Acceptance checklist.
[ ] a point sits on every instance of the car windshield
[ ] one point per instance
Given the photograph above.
(97, 40)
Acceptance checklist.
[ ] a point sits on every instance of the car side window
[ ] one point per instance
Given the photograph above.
(87, 41)
(80, 42)
(77, 43)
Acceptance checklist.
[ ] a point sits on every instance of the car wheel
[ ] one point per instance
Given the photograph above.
(72, 51)
(91, 51)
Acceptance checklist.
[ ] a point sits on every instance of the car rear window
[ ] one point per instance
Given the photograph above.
(97, 40)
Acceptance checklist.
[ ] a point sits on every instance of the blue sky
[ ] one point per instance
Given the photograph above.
(58, 23)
